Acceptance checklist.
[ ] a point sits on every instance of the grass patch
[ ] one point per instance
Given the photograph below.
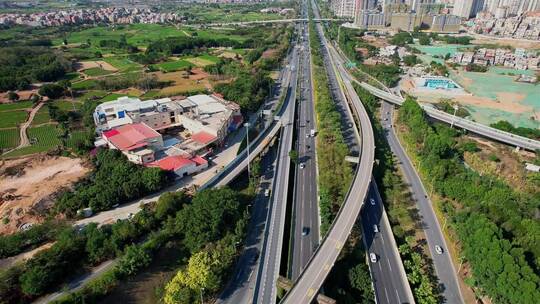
(15, 106)
(67, 105)
(171, 66)
(150, 94)
(42, 116)
(43, 139)
(93, 72)
(123, 64)
(75, 137)
(11, 119)
(92, 95)
(9, 138)
(203, 60)
(114, 96)
(87, 84)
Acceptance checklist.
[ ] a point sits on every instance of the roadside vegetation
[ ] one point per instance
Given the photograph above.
(521, 131)
(335, 174)
(208, 224)
(493, 223)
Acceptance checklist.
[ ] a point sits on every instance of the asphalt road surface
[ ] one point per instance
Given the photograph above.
(389, 279)
(268, 272)
(442, 262)
(306, 212)
(240, 287)
(310, 281)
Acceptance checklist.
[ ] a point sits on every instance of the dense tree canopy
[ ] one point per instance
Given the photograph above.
(493, 221)
(115, 180)
(20, 66)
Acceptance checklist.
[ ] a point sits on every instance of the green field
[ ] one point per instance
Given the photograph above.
(75, 137)
(67, 105)
(140, 35)
(15, 106)
(171, 66)
(123, 64)
(9, 138)
(10, 119)
(42, 116)
(84, 85)
(43, 139)
(113, 96)
(92, 95)
(93, 72)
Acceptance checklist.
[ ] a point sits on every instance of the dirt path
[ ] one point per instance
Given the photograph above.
(24, 137)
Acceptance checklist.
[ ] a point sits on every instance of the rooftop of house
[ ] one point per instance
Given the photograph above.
(131, 136)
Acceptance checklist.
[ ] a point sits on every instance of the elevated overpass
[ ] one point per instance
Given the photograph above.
(311, 279)
(291, 20)
(477, 128)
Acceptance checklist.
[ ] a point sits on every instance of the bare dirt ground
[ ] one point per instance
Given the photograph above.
(28, 185)
(198, 80)
(507, 41)
(83, 65)
(510, 167)
(23, 95)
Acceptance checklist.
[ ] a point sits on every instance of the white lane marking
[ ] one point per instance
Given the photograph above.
(386, 295)
(389, 266)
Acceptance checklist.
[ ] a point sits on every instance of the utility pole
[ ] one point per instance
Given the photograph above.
(247, 136)
(456, 107)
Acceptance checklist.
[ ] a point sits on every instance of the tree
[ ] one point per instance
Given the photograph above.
(201, 273)
(293, 155)
(169, 202)
(52, 90)
(360, 279)
(12, 96)
(134, 259)
(424, 40)
(410, 60)
(211, 214)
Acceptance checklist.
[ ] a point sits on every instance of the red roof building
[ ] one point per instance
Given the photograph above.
(132, 136)
(203, 138)
(180, 165)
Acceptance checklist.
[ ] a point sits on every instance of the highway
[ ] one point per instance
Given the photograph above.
(269, 264)
(444, 269)
(310, 281)
(388, 274)
(305, 234)
(477, 128)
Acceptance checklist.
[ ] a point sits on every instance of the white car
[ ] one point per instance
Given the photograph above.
(372, 201)
(375, 228)
(438, 249)
(267, 192)
(373, 257)
(302, 166)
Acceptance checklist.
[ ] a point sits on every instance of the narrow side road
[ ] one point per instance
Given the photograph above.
(442, 262)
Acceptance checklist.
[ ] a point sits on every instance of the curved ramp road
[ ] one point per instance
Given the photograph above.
(310, 281)
(489, 132)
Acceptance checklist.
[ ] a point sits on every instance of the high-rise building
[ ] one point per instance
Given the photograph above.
(511, 7)
(467, 8)
(343, 8)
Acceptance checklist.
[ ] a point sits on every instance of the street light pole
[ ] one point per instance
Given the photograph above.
(454, 117)
(247, 136)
